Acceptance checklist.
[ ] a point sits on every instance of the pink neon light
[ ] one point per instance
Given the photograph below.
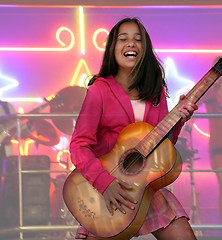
(188, 50)
(200, 131)
(47, 49)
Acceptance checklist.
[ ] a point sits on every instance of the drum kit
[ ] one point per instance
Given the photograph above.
(67, 101)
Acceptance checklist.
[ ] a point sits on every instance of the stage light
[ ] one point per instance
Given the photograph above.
(82, 29)
(63, 144)
(177, 84)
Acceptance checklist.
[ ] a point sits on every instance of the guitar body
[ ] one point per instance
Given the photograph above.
(146, 175)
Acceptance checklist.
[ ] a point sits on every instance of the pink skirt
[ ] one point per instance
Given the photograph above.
(164, 208)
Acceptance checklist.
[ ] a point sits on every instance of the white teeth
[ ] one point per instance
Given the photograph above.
(130, 54)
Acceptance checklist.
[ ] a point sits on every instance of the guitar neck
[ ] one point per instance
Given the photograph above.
(159, 132)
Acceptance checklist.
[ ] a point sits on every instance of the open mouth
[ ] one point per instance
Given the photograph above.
(130, 54)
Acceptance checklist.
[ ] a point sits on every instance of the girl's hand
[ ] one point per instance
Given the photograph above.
(186, 111)
(116, 196)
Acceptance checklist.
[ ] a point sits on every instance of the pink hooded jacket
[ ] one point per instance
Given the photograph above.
(105, 112)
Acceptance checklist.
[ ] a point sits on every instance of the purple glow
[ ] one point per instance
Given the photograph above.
(41, 74)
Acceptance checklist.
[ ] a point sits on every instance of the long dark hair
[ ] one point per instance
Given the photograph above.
(147, 76)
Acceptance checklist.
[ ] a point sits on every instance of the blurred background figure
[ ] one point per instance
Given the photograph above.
(213, 103)
(5, 146)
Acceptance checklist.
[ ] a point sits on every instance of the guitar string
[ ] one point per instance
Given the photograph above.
(138, 157)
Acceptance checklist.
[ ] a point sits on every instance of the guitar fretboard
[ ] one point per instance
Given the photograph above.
(159, 132)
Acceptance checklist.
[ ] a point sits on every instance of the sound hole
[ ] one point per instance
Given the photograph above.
(132, 162)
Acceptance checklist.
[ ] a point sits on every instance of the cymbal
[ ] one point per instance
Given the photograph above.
(42, 132)
(68, 100)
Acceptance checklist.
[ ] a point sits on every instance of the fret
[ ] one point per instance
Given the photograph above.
(151, 139)
(202, 86)
(162, 127)
(209, 80)
(149, 142)
(144, 149)
(165, 126)
(174, 115)
(154, 135)
(193, 97)
(160, 130)
(169, 122)
(218, 69)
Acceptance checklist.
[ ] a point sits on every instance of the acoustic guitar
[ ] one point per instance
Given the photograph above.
(142, 156)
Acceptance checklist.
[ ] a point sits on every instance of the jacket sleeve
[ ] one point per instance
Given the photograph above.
(84, 140)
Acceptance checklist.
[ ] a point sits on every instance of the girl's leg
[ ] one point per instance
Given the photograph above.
(178, 229)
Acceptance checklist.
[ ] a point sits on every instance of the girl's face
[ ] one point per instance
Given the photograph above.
(128, 46)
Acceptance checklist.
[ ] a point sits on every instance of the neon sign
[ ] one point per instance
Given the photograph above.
(201, 131)
(46, 49)
(24, 148)
(95, 42)
(80, 80)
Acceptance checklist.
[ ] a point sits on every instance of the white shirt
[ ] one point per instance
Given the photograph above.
(138, 109)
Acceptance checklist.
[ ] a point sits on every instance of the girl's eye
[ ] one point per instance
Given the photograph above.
(122, 39)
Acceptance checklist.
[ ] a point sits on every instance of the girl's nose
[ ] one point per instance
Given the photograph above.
(131, 44)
